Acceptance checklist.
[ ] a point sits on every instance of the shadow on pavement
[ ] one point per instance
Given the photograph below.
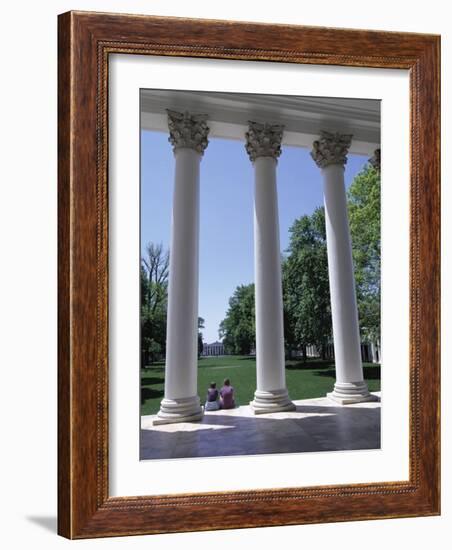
(322, 428)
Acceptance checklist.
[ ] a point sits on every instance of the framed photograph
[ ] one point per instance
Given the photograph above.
(248, 275)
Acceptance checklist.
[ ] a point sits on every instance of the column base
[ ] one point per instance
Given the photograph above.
(185, 409)
(271, 401)
(347, 393)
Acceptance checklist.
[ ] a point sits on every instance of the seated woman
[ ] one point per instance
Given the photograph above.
(227, 395)
(212, 398)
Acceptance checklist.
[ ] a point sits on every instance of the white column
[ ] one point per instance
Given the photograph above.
(330, 155)
(188, 135)
(263, 145)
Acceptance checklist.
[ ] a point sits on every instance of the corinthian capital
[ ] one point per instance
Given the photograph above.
(263, 140)
(331, 148)
(187, 130)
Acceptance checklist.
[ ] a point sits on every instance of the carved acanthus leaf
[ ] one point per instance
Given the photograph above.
(263, 140)
(188, 130)
(331, 148)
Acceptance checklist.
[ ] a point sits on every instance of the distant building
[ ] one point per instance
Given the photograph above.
(216, 348)
(370, 352)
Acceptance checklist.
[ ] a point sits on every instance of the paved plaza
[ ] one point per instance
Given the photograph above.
(316, 425)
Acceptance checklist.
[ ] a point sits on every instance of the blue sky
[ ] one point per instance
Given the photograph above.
(226, 219)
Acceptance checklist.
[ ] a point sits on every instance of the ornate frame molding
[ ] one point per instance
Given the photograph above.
(85, 42)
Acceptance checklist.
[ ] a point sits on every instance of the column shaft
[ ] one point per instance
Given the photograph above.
(267, 272)
(330, 154)
(342, 281)
(264, 146)
(181, 402)
(182, 323)
(188, 134)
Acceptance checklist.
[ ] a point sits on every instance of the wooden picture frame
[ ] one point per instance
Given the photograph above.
(85, 42)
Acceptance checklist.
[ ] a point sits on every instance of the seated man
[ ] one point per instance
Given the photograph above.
(227, 395)
(212, 398)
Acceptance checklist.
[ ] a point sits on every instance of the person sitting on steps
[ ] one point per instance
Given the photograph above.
(227, 400)
(212, 403)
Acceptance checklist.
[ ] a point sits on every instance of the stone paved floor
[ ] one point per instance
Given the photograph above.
(316, 425)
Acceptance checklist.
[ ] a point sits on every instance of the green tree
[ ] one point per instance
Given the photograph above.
(365, 227)
(154, 297)
(238, 327)
(306, 292)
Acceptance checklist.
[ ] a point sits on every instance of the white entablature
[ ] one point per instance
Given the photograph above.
(303, 118)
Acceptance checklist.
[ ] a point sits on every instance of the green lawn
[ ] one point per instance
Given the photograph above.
(304, 381)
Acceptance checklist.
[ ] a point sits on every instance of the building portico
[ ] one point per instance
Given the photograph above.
(331, 128)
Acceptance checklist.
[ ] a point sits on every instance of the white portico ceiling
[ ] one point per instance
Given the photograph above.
(303, 117)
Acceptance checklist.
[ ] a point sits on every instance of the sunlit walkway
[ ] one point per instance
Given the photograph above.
(316, 425)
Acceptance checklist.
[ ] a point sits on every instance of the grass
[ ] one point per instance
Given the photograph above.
(304, 380)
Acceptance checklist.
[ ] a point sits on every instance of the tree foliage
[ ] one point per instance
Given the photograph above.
(154, 298)
(154, 304)
(238, 327)
(365, 227)
(305, 284)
